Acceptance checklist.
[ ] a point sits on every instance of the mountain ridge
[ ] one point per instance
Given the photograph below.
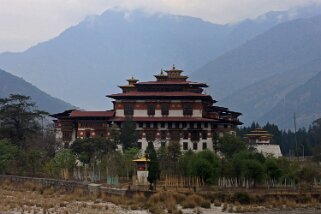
(10, 84)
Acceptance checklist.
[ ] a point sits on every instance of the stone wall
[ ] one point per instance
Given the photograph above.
(72, 185)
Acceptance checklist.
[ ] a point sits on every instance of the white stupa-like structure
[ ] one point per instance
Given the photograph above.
(261, 141)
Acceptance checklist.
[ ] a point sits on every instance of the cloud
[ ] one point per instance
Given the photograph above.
(26, 22)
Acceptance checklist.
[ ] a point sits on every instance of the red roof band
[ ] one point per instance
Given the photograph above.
(159, 94)
(92, 114)
(166, 119)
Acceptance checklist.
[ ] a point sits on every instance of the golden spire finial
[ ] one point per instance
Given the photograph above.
(174, 67)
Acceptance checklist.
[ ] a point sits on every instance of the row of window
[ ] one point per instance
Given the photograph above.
(195, 146)
(175, 135)
(129, 109)
(85, 125)
(175, 125)
(185, 145)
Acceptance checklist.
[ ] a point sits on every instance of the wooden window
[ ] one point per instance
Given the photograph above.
(204, 146)
(66, 136)
(175, 135)
(214, 126)
(128, 110)
(165, 109)
(187, 109)
(195, 136)
(162, 125)
(184, 125)
(185, 135)
(185, 146)
(151, 109)
(150, 135)
(194, 146)
(204, 134)
(163, 135)
(169, 125)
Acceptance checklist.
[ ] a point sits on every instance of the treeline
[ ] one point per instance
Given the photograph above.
(293, 143)
(240, 163)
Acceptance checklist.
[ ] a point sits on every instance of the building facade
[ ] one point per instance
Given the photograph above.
(170, 108)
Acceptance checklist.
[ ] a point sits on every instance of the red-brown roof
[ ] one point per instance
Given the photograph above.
(92, 114)
(166, 119)
(171, 82)
(159, 94)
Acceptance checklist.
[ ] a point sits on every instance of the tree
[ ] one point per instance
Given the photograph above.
(34, 160)
(230, 145)
(114, 134)
(168, 157)
(153, 168)
(128, 156)
(162, 156)
(253, 169)
(185, 163)
(272, 169)
(63, 162)
(128, 135)
(174, 150)
(202, 168)
(205, 164)
(7, 155)
(309, 173)
(19, 118)
(91, 149)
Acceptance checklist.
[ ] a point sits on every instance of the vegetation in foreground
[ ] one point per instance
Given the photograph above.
(31, 198)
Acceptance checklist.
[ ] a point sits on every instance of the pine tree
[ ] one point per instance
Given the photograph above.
(153, 168)
(128, 135)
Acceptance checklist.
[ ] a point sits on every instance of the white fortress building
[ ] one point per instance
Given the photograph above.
(170, 108)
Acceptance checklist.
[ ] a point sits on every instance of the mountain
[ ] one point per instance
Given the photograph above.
(255, 77)
(89, 60)
(10, 84)
(304, 101)
(282, 48)
(256, 101)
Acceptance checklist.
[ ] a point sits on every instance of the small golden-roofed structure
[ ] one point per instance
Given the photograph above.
(141, 171)
(142, 159)
(130, 86)
(258, 136)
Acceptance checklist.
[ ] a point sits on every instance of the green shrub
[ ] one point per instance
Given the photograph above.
(242, 197)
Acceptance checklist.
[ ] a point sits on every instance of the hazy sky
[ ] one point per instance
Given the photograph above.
(24, 23)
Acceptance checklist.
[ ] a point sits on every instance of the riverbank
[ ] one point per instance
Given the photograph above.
(34, 197)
